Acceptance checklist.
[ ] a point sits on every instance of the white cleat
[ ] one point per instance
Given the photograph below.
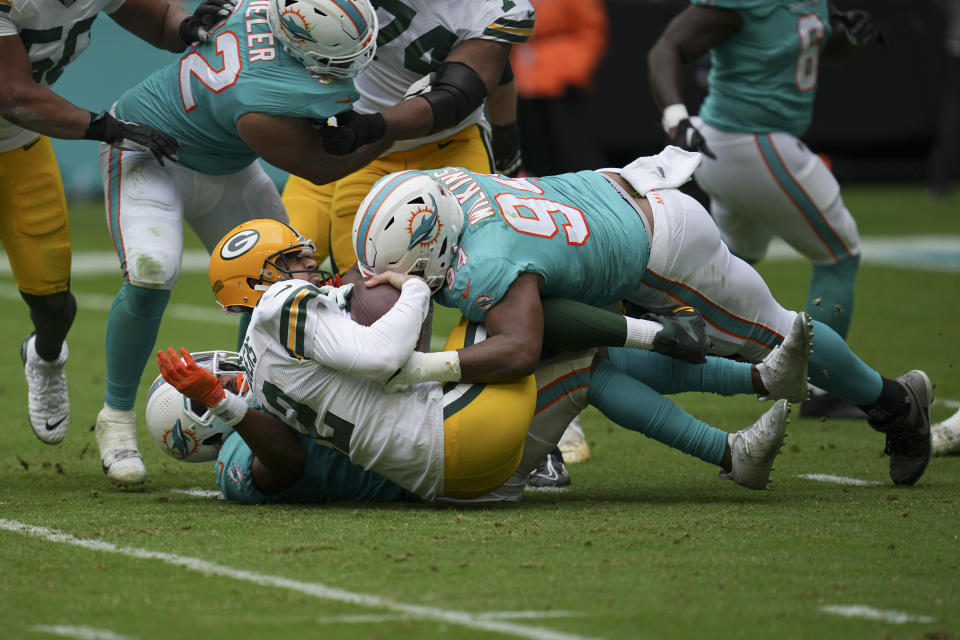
(117, 439)
(945, 436)
(573, 444)
(48, 404)
(784, 370)
(754, 448)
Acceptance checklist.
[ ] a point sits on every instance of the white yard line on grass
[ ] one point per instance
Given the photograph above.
(863, 611)
(822, 477)
(501, 615)
(83, 633)
(321, 591)
(199, 493)
(100, 302)
(931, 252)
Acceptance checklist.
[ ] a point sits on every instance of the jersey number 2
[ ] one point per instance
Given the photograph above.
(194, 64)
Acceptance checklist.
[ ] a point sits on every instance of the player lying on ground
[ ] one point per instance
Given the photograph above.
(493, 246)
(321, 374)
(270, 70)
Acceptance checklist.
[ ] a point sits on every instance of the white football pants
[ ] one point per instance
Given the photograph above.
(147, 204)
(690, 265)
(763, 185)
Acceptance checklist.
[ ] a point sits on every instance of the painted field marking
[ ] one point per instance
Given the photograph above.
(930, 252)
(83, 633)
(926, 252)
(318, 590)
(496, 615)
(863, 611)
(822, 477)
(100, 302)
(199, 493)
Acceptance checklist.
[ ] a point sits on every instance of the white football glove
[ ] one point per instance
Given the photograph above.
(340, 294)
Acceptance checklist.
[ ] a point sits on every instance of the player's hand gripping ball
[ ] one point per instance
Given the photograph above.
(368, 304)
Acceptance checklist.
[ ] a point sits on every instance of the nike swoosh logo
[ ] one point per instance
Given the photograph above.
(444, 145)
(29, 146)
(51, 427)
(466, 291)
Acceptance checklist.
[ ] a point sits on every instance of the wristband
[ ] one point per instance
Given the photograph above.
(673, 115)
(231, 409)
(641, 333)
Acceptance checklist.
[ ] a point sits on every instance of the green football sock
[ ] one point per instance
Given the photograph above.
(132, 327)
(635, 406)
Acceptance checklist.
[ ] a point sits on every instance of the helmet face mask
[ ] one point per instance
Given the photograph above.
(331, 38)
(409, 223)
(186, 429)
(253, 256)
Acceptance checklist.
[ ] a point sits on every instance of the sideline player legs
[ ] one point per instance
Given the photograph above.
(36, 45)
(761, 179)
(229, 102)
(618, 233)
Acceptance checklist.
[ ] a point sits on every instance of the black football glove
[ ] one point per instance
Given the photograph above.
(131, 136)
(196, 28)
(687, 137)
(684, 334)
(352, 131)
(506, 149)
(859, 27)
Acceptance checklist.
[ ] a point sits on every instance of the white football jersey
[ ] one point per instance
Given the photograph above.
(320, 372)
(54, 33)
(417, 35)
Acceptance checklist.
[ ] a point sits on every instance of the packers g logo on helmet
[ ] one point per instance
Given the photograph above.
(250, 258)
(239, 243)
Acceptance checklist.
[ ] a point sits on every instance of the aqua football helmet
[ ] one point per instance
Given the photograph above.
(331, 38)
(409, 223)
(185, 429)
(250, 258)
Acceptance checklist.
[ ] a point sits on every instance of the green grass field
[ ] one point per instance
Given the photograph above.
(646, 543)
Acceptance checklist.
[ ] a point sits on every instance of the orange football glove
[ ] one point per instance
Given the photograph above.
(189, 378)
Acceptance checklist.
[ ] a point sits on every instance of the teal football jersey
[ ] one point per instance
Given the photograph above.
(328, 476)
(763, 78)
(573, 229)
(198, 98)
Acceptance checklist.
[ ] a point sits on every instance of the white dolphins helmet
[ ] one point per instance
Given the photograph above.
(331, 38)
(409, 223)
(184, 428)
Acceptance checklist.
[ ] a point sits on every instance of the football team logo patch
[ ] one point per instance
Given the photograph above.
(180, 443)
(239, 244)
(424, 225)
(235, 474)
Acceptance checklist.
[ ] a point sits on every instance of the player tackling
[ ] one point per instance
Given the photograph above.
(316, 372)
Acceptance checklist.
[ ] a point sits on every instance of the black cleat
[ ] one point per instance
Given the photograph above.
(908, 440)
(551, 472)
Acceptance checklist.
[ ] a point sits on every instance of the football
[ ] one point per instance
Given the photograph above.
(368, 304)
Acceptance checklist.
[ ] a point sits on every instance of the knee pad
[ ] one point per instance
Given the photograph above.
(153, 270)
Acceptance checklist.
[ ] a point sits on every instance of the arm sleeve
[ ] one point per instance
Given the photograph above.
(336, 341)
